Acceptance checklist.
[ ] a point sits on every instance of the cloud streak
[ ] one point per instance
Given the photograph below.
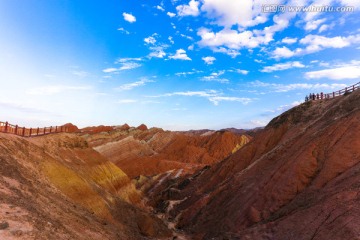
(213, 96)
(130, 86)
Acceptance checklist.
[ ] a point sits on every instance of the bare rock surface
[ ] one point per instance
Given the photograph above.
(298, 179)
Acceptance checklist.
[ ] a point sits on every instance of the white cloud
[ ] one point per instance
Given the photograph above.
(258, 123)
(171, 40)
(193, 71)
(326, 27)
(213, 96)
(150, 40)
(186, 36)
(241, 71)
(160, 8)
(343, 71)
(215, 77)
(126, 101)
(170, 14)
(50, 90)
(316, 43)
(282, 66)
(81, 74)
(282, 52)
(276, 87)
(192, 9)
(218, 99)
(110, 70)
(129, 17)
(312, 25)
(285, 107)
(180, 55)
(126, 64)
(230, 41)
(129, 66)
(288, 40)
(229, 12)
(123, 60)
(123, 31)
(157, 51)
(130, 86)
(209, 60)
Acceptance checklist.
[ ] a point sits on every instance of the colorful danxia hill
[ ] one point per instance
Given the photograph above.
(297, 178)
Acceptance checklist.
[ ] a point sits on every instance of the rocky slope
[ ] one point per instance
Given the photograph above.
(56, 187)
(298, 179)
(142, 151)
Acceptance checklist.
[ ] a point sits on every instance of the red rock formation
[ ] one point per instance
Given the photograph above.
(71, 127)
(124, 127)
(142, 127)
(154, 151)
(56, 187)
(97, 129)
(298, 179)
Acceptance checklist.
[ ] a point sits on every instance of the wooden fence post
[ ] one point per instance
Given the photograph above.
(37, 132)
(23, 132)
(50, 128)
(56, 129)
(6, 126)
(16, 128)
(30, 132)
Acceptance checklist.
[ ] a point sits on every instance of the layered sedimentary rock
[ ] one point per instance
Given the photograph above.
(298, 179)
(154, 151)
(56, 187)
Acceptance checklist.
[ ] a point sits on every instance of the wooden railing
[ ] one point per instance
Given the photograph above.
(6, 127)
(319, 96)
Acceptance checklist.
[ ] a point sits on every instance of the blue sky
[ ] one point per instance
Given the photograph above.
(173, 64)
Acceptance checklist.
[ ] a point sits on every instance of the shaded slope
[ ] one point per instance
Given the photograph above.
(56, 187)
(297, 179)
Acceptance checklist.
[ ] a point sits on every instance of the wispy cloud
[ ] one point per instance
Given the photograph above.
(215, 77)
(126, 64)
(158, 7)
(240, 71)
(51, 90)
(282, 66)
(316, 43)
(23, 108)
(130, 86)
(81, 74)
(123, 31)
(193, 71)
(129, 65)
(276, 87)
(213, 96)
(126, 101)
(349, 70)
